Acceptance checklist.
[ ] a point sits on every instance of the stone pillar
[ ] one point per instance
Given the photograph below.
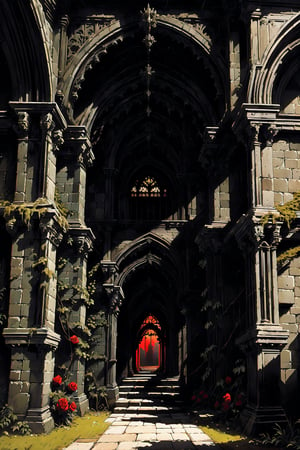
(76, 156)
(115, 296)
(264, 338)
(36, 227)
(82, 245)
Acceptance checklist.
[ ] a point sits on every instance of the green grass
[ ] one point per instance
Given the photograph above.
(88, 427)
(219, 436)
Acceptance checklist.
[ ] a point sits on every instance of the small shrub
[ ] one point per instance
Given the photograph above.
(9, 422)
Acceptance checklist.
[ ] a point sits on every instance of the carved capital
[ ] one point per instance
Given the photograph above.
(79, 146)
(23, 124)
(46, 122)
(51, 229)
(57, 140)
(109, 269)
(268, 134)
(83, 239)
(116, 297)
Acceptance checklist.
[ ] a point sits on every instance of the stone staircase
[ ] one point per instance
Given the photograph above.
(147, 393)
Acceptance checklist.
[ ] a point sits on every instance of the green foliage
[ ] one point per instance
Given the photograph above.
(288, 437)
(288, 255)
(63, 210)
(97, 394)
(289, 209)
(24, 211)
(91, 426)
(9, 422)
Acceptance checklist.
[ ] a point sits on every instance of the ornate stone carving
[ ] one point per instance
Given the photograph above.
(50, 228)
(81, 32)
(116, 296)
(46, 122)
(83, 245)
(109, 269)
(57, 140)
(23, 124)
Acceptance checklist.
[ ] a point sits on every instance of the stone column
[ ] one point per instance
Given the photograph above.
(75, 157)
(36, 228)
(264, 338)
(115, 296)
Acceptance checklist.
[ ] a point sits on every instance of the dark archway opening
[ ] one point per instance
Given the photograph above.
(150, 351)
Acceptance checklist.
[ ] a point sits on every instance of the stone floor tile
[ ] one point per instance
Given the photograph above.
(116, 429)
(117, 437)
(133, 445)
(106, 446)
(146, 437)
(164, 437)
(180, 437)
(81, 445)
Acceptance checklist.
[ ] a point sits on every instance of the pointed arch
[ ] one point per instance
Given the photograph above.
(262, 82)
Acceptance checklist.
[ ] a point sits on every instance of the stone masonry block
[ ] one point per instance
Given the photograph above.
(286, 282)
(286, 296)
(280, 185)
(282, 173)
(286, 359)
(287, 197)
(288, 318)
(294, 185)
(291, 163)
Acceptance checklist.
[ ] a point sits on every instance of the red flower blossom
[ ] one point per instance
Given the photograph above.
(217, 404)
(205, 396)
(62, 404)
(73, 406)
(228, 380)
(238, 402)
(227, 398)
(57, 379)
(74, 339)
(72, 386)
(193, 398)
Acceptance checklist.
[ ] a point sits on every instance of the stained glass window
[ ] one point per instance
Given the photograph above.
(148, 187)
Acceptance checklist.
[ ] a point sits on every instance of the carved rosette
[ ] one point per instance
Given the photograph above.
(116, 297)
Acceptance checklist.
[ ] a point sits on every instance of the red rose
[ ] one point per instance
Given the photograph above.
(74, 339)
(227, 398)
(193, 398)
(217, 404)
(228, 380)
(205, 396)
(62, 404)
(73, 406)
(57, 379)
(238, 402)
(72, 386)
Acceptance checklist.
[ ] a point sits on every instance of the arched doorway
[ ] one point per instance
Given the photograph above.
(150, 345)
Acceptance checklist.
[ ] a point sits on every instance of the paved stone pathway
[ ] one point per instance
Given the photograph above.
(148, 416)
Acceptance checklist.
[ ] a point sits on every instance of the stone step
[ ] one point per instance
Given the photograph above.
(149, 394)
(147, 409)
